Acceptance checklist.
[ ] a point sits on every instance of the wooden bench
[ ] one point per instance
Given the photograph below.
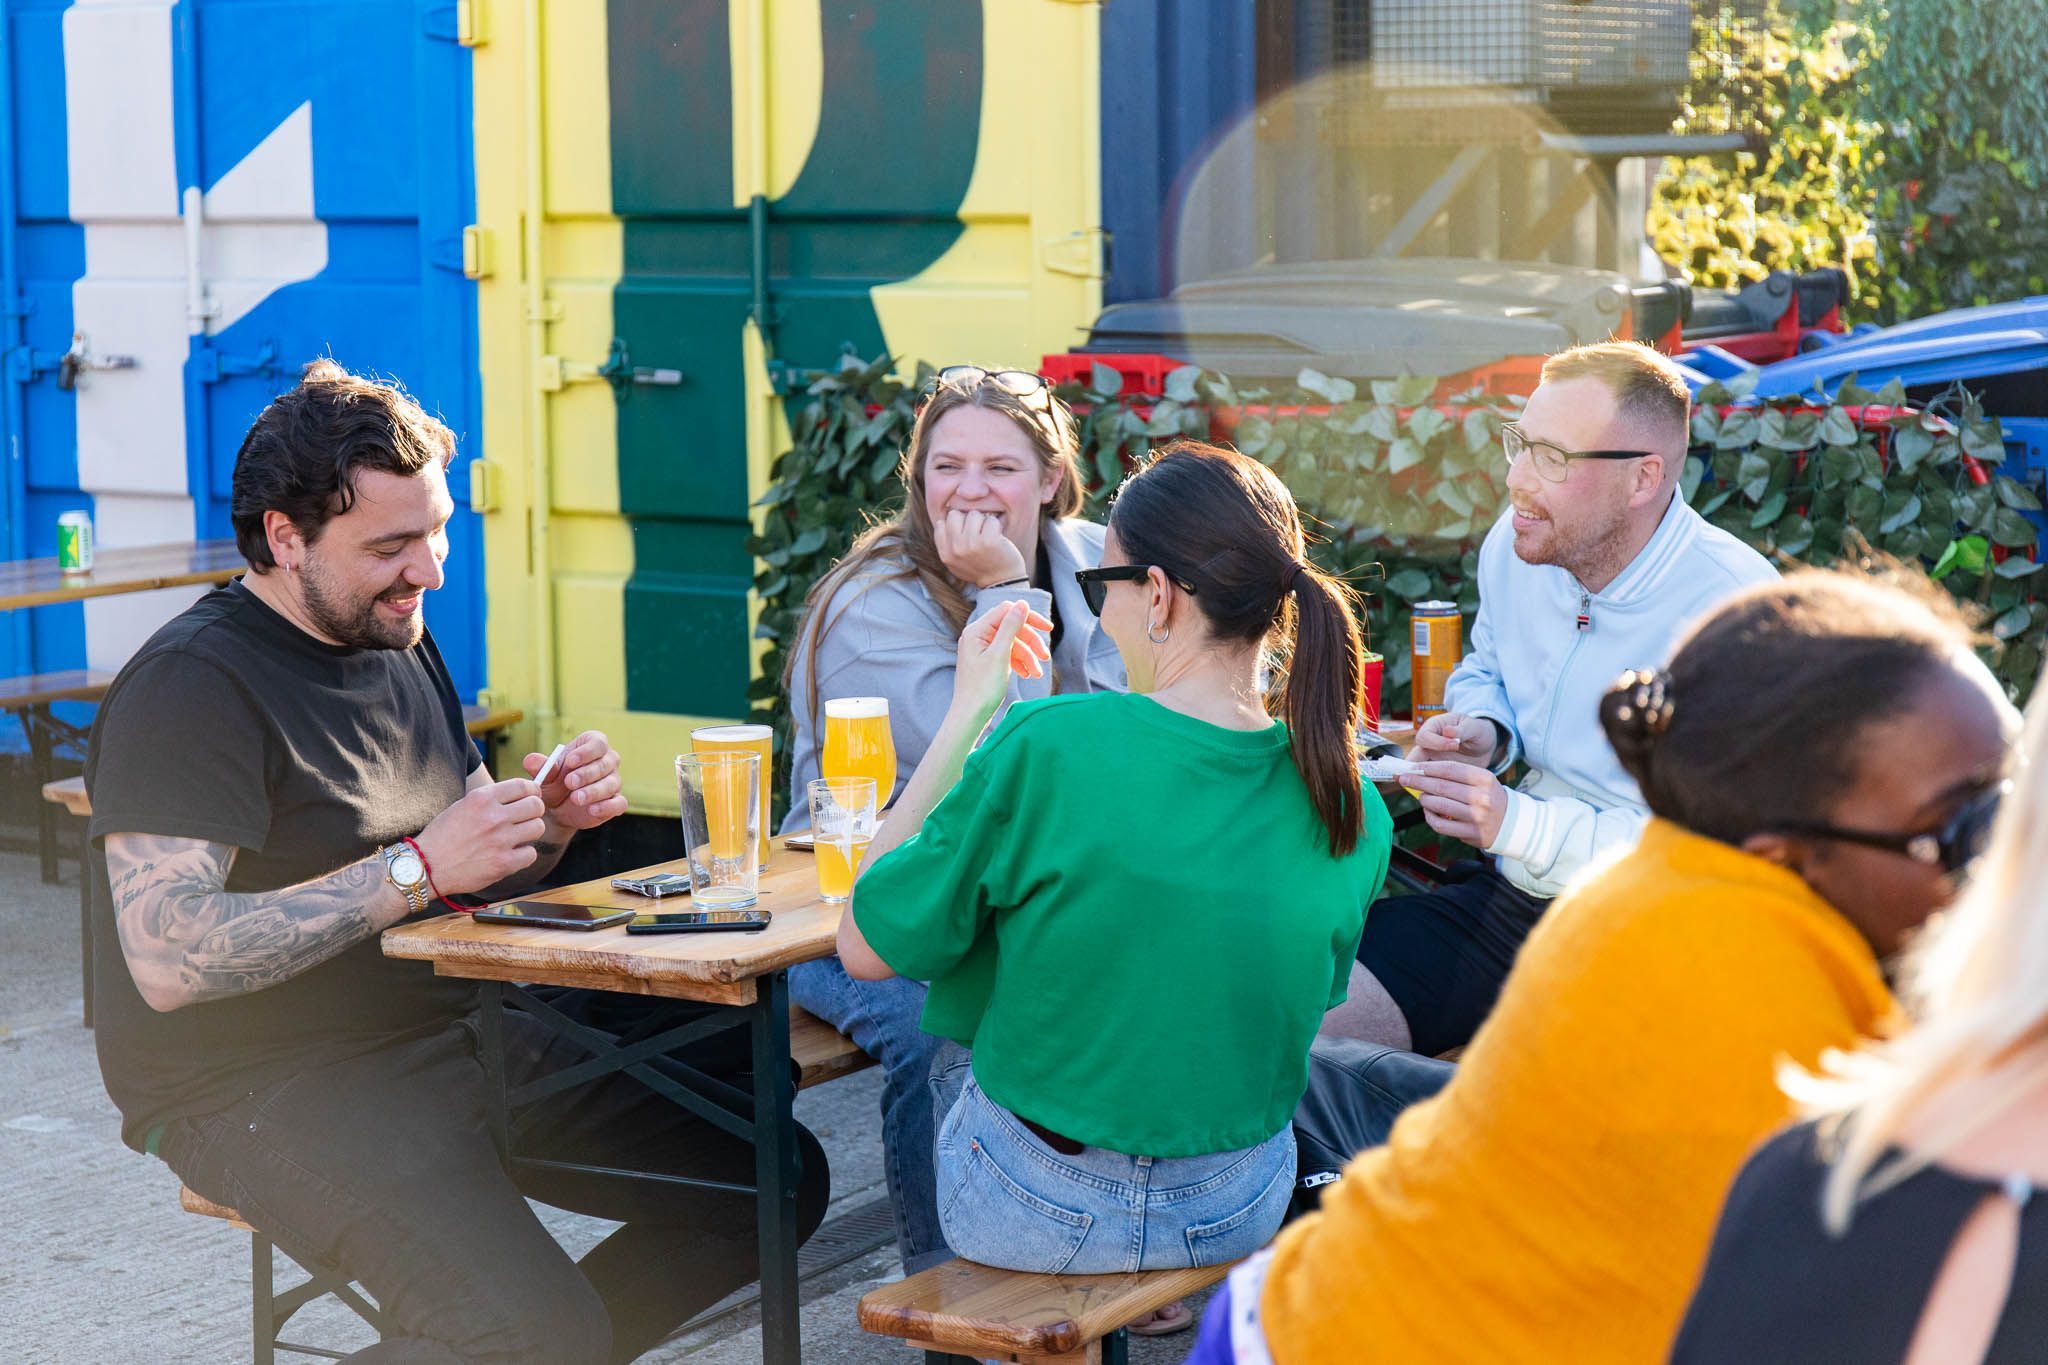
(968, 1309)
(29, 698)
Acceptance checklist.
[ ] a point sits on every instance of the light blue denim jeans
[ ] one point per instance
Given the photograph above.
(882, 1016)
(1007, 1199)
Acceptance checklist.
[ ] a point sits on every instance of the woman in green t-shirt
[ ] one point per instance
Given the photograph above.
(1135, 909)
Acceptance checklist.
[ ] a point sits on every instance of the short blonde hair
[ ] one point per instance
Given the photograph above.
(1647, 385)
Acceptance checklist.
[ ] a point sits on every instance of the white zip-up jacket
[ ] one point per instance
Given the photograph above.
(1544, 651)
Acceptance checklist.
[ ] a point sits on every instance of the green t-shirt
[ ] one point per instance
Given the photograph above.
(1133, 918)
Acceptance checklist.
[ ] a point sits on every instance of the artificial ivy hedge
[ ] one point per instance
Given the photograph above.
(1402, 484)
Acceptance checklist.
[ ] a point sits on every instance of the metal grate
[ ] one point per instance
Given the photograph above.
(1479, 69)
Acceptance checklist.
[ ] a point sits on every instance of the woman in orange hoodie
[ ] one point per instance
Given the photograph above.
(1556, 1199)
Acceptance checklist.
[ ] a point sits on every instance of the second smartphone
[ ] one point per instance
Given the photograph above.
(700, 922)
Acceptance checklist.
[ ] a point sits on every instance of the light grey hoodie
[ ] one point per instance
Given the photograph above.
(886, 637)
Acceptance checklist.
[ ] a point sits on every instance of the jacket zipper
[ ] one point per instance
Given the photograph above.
(1581, 629)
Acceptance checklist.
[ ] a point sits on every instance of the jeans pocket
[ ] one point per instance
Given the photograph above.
(1240, 1233)
(993, 1217)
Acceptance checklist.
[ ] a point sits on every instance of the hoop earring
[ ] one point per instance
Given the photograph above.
(1160, 638)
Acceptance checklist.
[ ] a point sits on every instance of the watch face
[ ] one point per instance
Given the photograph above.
(406, 869)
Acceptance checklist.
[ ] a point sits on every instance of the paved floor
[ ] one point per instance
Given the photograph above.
(98, 1264)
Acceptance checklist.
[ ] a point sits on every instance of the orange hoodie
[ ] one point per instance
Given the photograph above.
(1556, 1200)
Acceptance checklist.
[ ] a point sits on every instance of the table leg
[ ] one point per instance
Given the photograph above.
(41, 743)
(491, 1050)
(775, 1173)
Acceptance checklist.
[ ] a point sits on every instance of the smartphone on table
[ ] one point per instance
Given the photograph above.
(700, 922)
(655, 885)
(549, 915)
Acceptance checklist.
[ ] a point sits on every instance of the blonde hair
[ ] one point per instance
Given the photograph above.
(1976, 984)
(906, 544)
(1647, 385)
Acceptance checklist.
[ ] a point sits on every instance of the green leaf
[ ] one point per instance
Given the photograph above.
(1408, 584)
(1180, 383)
(1912, 445)
(1404, 453)
(1165, 420)
(2012, 623)
(1690, 478)
(1743, 384)
(1981, 441)
(1900, 509)
(1836, 428)
(2014, 566)
(1383, 423)
(1965, 555)
(1863, 505)
(1773, 508)
(1706, 424)
(1893, 394)
(2016, 495)
(1104, 380)
(1738, 429)
(1482, 430)
(2010, 529)
(1253, 433)
(1412, 390)
(1425, 424)
(1328, 389)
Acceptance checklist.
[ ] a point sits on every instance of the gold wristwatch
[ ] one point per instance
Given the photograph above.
(407, 871)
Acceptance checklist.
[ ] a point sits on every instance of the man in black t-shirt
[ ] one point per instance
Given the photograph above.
(280, 774)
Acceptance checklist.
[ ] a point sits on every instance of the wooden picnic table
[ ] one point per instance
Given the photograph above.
(744, 972)
(141, 568)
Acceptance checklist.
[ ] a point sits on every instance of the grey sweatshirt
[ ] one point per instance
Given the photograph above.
(888, 638)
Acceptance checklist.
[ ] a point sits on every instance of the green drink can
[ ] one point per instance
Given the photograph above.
(74, 542)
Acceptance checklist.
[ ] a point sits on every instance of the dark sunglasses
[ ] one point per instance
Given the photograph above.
(1951, 848)
(1095, 582)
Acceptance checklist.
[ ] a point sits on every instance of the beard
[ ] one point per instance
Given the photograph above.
(354, 620)
(1586, 550)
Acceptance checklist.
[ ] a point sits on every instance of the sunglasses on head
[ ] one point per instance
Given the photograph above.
(1017, 383)
(1952, 847)
(1095, 582)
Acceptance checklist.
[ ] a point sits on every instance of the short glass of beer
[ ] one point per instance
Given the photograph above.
(842, 825)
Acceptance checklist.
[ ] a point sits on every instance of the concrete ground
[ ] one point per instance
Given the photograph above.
(98, 1263)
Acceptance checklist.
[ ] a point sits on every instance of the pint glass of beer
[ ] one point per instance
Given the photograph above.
(842, 824)
(752, 739)
(858, 744)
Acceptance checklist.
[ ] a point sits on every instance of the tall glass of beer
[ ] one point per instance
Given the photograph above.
(858, 743)
(842, 824)
(753, 739)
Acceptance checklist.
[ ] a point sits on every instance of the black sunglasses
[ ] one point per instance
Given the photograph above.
(1951, 848)
(1095, 582)
(1032, 388)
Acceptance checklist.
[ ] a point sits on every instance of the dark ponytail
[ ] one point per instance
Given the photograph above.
(1226, 524)
(1756, 721)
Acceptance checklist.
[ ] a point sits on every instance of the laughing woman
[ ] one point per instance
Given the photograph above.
(991, 489)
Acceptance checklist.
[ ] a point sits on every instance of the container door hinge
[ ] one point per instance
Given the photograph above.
(476, 252)
(484, 489)
(461, 22)
(1077, 253)
(618, 370)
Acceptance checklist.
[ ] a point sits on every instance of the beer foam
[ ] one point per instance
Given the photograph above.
(857, 708)
(731, 734)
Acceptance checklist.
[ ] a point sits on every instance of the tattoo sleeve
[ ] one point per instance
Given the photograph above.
(187, 939)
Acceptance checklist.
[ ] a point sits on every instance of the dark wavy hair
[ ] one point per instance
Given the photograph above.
(303, 452)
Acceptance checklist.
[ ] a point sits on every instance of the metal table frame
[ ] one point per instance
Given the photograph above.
(771, 1130)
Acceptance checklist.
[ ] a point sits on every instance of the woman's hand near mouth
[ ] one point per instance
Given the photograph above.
(976, 551)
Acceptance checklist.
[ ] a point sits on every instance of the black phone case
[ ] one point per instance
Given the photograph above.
(633, 928)
(581, 925)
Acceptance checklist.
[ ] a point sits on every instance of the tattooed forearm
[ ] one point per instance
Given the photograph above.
(186, 939)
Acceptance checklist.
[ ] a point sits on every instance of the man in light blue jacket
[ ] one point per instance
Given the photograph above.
(1594, 569)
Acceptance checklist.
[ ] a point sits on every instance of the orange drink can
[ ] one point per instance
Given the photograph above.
(1437, 643)
(756, 739)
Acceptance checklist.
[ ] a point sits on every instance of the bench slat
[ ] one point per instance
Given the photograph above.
(480, 721)
(68, 792)
(822, 1052)
(975, 1309)
(39, 689)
